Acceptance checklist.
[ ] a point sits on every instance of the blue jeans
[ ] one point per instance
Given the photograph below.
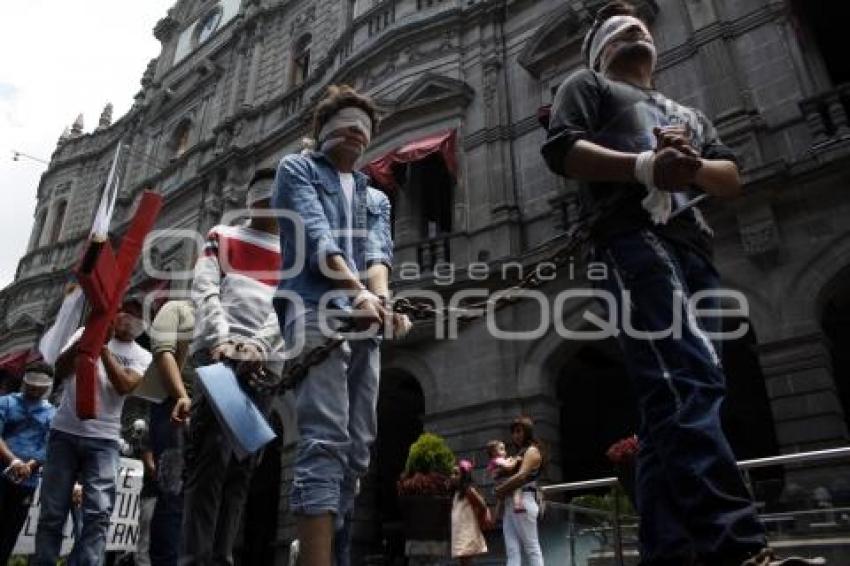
(691, 496)
(336, 407)
(95, 462)
(15, 502)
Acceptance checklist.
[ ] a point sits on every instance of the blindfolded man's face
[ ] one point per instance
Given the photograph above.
(127, 326)
(354, 139)
(633, 41)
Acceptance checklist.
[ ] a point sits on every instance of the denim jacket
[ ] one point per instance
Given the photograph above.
(309, 186)
(24, 427)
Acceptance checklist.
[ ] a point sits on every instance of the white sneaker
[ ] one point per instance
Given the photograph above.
(767, 558)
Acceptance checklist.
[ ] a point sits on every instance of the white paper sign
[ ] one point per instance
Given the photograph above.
(123, 533)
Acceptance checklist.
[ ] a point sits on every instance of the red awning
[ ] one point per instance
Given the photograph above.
(544, 115)
(381, 172)
(15, 362)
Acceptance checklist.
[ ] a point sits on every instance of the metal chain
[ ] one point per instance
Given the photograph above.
(421, 310)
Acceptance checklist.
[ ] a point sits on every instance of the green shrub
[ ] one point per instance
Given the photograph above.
(429, 454)
(607, 502)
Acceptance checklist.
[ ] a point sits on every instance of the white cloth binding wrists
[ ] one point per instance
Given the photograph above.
(658, 203)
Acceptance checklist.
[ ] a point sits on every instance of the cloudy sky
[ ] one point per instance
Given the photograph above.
(60, 58)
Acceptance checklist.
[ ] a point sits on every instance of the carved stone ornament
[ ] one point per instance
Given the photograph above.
(150, 72)
(303, 20)
(759, 232)
(77, 127)
(106, 116)
(165, 27)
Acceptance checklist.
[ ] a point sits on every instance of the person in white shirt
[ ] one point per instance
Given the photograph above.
(88, 449)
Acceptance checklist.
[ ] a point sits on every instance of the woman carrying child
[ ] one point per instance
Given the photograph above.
(520, 529)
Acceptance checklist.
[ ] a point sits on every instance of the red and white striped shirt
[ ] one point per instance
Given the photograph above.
(234, 284)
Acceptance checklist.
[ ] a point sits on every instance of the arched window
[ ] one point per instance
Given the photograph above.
(58, 221)
(356, 9)
(38, 229)
(819, 33)
(208, 25)
(180, 139)
(301, 60)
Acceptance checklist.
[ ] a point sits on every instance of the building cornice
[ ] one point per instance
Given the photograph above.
(719, 30)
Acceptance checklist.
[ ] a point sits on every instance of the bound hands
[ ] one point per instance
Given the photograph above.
(223, 351)
(77, 495)
(246, 359)
(676, 161)
(373, 309)
(20, 470)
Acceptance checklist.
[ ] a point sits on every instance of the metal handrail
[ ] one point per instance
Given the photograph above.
(798, 458)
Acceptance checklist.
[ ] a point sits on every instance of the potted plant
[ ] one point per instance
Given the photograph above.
(623, 454)
(425, 489)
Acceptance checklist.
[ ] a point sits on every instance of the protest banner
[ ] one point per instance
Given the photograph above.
(123, 533)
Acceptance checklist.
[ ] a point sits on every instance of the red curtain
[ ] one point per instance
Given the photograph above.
(444, 143)
(15, 362)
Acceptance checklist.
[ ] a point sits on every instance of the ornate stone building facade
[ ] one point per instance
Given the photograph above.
(233, 88)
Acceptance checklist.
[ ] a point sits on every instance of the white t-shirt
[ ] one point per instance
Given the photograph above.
(347, 182)
(109, 402)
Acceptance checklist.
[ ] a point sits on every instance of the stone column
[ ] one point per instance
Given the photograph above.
(805, 403)
(725, 95)
(500, 174)
(254, 69)
(806, 407)
(239, 55)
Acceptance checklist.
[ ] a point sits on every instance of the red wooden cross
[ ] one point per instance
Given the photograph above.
(104, 278)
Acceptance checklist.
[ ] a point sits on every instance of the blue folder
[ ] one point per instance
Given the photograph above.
(242, 422)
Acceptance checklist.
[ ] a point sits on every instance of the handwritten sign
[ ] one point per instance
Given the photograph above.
(123, 533)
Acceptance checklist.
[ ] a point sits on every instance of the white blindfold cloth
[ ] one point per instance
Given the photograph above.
(606, 34)
(37, 379)
(348, 117)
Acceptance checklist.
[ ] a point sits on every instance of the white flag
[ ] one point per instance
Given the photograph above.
(100, 226)
(67, 321)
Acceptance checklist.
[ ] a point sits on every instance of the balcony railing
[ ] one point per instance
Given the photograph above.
(432, 252)
(828, 115)
(381, 17)
(387, 14)
(811, 524)
(50, 258)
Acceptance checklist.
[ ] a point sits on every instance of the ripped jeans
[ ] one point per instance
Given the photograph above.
(691, 497)
(336, 404)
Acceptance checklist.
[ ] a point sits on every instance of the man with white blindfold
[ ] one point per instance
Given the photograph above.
(639, 154)
(235, 279)
(25, 419)
(345, 226)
